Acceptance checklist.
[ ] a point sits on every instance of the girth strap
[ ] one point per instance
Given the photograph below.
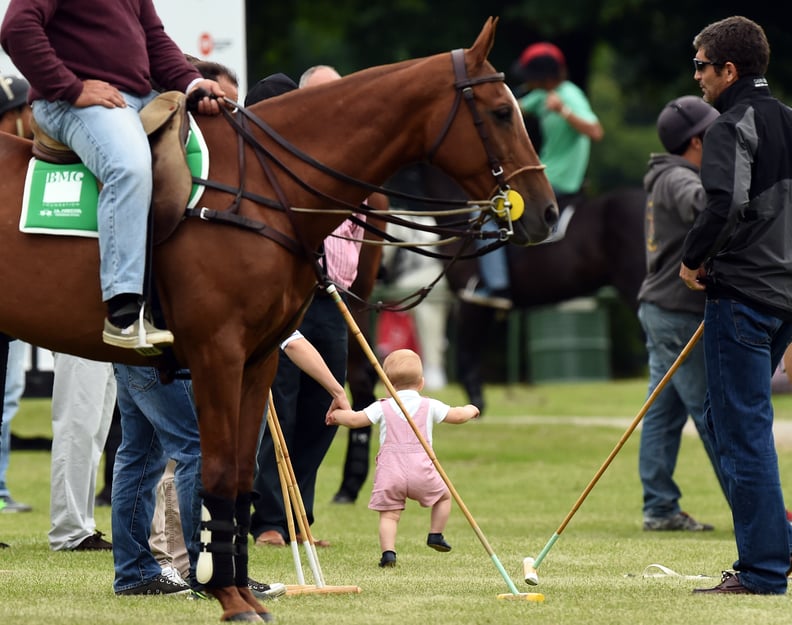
(233, 219)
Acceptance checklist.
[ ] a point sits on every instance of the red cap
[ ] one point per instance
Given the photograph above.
(537, 50)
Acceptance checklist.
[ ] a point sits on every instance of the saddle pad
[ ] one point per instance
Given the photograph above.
(62, 199)
(197, 160)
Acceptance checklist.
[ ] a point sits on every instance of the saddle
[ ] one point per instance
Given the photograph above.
(166, 124)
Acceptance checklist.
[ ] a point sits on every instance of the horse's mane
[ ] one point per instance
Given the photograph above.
(329, 90)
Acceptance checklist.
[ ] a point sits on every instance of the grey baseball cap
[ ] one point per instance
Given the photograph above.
(682, 119)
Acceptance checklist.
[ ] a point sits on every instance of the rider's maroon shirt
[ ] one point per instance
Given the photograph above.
(57, 44)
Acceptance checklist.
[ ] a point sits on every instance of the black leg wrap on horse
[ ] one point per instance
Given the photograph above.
(242, 511)
(215, 566)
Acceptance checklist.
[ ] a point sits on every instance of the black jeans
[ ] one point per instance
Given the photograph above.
(301, 404)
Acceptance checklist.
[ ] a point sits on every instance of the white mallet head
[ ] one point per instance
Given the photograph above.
(529, 572)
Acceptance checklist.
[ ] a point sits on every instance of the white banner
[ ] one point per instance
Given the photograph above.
(213, 30)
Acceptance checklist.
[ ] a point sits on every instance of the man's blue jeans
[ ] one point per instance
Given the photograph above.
(667, 334)
(742, 349)
(113, 145)
(14, 387)
(158, 422)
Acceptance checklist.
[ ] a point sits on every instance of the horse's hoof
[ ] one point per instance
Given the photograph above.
(247, 617)
(267, 617)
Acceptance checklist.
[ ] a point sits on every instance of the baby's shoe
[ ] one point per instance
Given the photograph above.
(388, 559)
(438, 543)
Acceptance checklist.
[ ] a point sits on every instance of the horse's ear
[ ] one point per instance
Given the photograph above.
(480, 49)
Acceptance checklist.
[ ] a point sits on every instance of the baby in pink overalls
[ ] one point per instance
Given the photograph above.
(404, 469)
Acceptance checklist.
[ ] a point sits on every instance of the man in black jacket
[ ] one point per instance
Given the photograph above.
(740, 251)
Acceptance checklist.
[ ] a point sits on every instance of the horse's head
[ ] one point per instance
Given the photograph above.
(484, 145)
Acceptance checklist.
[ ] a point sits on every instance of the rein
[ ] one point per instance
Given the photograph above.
(241, 124)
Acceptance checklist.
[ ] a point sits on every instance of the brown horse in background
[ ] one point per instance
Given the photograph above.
(231, 288)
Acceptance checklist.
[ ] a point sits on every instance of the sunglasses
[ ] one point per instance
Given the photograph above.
(700, 66)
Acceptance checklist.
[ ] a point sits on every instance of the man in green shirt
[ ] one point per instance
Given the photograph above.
(568, 126)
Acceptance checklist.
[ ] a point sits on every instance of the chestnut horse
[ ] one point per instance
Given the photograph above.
(231, 285)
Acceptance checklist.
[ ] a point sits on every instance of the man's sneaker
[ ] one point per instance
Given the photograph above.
(437, 542)
(681, 521)
(160, 585)
(476, 293)
(94, 542)
(173, 574)
(8, 504)
(266, 591)
(388, 559)
(135, 337)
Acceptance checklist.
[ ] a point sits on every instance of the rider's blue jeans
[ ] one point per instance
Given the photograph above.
(667, 333)
(158, 422)
(112, 143)
(742, 348)
(494, 265)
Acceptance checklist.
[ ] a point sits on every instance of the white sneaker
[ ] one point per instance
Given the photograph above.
(266, 591)
(173, 575)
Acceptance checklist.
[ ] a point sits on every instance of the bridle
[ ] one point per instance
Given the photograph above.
(464, 89)
(500, 204)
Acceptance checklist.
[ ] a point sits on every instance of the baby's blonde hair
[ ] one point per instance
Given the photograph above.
(404, 369)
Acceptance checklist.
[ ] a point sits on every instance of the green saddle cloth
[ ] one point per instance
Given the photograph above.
(62, 199)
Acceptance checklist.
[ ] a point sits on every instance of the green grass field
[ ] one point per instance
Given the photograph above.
(519, 476)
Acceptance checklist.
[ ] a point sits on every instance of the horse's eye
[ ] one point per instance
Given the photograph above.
(502, 114)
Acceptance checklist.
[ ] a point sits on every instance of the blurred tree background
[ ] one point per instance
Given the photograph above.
(630, 56)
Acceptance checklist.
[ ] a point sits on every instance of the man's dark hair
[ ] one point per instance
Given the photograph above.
(736, 39)
(212, 70)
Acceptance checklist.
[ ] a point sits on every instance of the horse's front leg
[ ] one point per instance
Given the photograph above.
(256, 383)
(217, 391)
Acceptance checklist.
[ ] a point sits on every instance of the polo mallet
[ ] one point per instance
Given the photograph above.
(302, 518)
(294, 492)
(287, 507)
(353, 326)
(529, 564)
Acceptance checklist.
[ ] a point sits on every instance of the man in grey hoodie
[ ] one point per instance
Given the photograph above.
(670, 313)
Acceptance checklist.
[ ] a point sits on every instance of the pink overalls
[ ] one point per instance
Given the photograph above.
(404, 470)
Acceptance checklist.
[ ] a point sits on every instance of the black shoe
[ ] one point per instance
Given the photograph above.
(679, 522)
(729, 585)
(94, 542)
(388, 559)
(343, 498)
(438, 543)
(160, 585)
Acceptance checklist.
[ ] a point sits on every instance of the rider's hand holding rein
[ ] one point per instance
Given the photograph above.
(208, 105)
(101, 93)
